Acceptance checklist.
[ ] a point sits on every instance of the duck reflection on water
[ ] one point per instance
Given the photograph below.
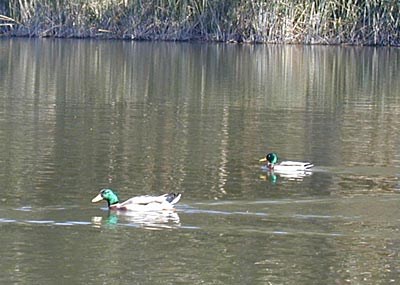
(149, 220)
(273, 177)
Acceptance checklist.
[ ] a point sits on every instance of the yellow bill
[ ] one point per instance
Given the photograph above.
(98, 198)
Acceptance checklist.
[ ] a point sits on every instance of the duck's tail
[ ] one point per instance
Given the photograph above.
(173, 198)
(308, 166)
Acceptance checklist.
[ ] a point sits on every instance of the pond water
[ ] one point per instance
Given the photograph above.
(154, 117)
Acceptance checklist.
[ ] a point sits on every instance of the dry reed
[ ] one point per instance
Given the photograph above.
(367, 22)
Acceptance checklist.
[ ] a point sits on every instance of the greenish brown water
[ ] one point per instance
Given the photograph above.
(149, 118)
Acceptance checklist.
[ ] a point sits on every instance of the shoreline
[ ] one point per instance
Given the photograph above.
(205, 41)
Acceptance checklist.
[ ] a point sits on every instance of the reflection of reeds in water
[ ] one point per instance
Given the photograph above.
(140, 115)
(281, 21)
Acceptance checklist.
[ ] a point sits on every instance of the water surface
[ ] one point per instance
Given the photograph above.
(149, 118)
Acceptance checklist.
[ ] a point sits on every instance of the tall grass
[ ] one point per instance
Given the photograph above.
(361, 22)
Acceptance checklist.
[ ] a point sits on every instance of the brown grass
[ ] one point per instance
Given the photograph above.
(368, 22)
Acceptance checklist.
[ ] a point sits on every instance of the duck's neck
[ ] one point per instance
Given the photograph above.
(112, 200)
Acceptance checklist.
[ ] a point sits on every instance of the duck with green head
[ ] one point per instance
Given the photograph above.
(139, 203)
(272, 164)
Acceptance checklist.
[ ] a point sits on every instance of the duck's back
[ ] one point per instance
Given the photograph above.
(293, 166)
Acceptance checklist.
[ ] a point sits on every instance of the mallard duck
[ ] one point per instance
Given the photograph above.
(284, 166)
(139, 203)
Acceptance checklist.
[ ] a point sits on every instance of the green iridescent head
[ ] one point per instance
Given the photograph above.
(272, 157)
(108, 195)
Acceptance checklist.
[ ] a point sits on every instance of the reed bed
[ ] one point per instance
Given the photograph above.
(358, 22)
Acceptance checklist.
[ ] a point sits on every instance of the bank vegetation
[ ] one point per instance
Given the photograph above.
(357, 22)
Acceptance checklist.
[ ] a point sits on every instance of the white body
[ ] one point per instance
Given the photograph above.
(291, 166)
(147, 203)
